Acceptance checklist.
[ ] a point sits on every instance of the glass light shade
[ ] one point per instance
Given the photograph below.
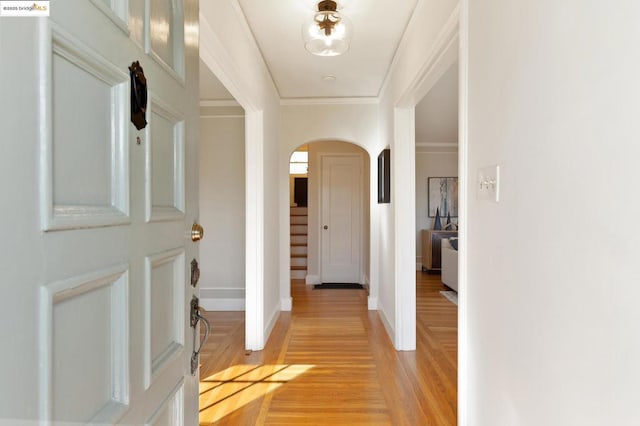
(327, 42)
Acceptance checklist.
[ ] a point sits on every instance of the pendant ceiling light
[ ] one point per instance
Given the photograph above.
(329, 33)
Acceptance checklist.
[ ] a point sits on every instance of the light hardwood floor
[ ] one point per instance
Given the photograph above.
(330, 361)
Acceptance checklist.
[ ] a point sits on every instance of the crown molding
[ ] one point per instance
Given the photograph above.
(237, 7)
(442, 46)
(219, 103)
(222, 116)
(436, 147)
(329, 101)
(224, 67)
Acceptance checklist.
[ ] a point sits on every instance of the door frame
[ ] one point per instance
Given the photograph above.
(363, 184)
(451, 44)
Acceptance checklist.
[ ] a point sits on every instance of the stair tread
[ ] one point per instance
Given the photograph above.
(299, 256)
(298, 244)
(298, 268)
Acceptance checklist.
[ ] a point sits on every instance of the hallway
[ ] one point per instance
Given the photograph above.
(330, 361)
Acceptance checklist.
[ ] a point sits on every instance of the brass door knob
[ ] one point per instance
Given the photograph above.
(197, 232)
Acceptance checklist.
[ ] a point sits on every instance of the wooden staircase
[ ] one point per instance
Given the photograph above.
(298, 232)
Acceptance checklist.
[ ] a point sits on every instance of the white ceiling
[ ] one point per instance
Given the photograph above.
(378, 27)
(297, 74)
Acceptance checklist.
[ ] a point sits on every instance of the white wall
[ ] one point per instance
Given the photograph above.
(553, 281)
(354, 123)
(316, 150)
(430, 164)
(227, 47)
(222, 209)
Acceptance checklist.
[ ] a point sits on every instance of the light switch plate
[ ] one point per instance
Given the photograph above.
(488, 183)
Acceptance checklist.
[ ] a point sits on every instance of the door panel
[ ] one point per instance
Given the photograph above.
(341, 219)
(165, 162)
(95, 302)
(164, 311)
(96, 261)
(85, 179)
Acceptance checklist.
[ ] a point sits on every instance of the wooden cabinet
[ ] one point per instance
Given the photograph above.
(431, 257)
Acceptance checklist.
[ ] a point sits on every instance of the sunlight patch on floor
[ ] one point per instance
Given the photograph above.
(230, 389)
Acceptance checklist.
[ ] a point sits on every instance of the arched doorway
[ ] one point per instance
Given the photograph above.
(337, 175)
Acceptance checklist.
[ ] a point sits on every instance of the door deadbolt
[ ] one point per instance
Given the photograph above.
(195, 273)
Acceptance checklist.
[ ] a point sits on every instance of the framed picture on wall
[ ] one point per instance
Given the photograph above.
(384, 176)
(443, 195)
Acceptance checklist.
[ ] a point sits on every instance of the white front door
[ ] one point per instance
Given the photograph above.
(341, 233)
(96, 215)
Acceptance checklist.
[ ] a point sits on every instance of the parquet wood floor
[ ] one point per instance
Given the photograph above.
(330, 362)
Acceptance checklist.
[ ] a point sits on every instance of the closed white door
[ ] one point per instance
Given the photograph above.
(341, 233)
(96, 214)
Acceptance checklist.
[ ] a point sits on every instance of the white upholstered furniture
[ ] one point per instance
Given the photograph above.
(449, 265)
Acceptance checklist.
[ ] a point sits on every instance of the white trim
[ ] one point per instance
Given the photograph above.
(372, 303)
(443, 53)
(442, 56)
(403, 203)
(382, 314)
(286, 304)
(374, 100)
(117, 278)
(446, 38)
(223, 305)
(222, 299)
(216, 57)
(463, 214)
(272, 320)
(219, 103)
(436, 148)
(437, 145)
(254, 239)
(235, 5)
(399, 49)
(221, 116)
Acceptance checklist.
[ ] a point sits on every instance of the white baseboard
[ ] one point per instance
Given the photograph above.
(222, 299)
(222, 305)
(372, 303)
(387, 325)
(365, 280)
(286, 304)
(312, 279)
(271, 323)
